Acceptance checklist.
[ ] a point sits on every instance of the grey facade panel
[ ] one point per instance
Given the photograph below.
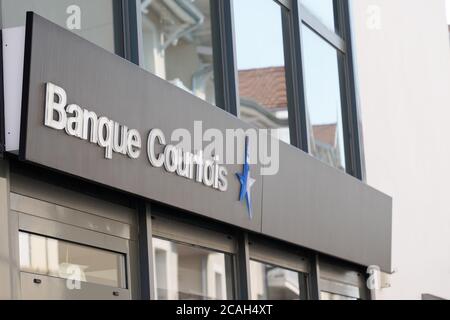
(307, 203)
(312, 204)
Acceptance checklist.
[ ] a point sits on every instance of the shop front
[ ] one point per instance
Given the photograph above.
(105, 198)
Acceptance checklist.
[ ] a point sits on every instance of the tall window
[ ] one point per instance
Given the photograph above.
(327, 110)
(323, 99)
(92, 20)
(178, 45)
(261, 65)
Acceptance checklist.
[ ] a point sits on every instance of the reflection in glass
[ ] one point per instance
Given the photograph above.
(178, 44)
(323, 100)
(61, 259)
(184, 272)
(334, 296)
(261, 66)
(92, 20)
(273, 283)
(322, 10)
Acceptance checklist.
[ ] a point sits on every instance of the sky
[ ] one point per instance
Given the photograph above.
(259, 40)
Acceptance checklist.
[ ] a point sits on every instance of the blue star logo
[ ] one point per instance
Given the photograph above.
(246, 181)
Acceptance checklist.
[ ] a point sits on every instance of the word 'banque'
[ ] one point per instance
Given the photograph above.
(87, 125)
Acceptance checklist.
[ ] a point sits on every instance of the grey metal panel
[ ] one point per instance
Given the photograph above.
(336, 271)
(318, 207)
(61, 231)
(186, 233)
(113, 87)
(273, 255)
(41, 190)
(56, 289)
(69, 216)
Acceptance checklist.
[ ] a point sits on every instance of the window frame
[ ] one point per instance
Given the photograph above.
(342, 278)
(166, 225)
(340, 40)
(56, 230)
(283, 256)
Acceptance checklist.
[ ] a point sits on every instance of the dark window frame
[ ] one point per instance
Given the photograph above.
(341, 41)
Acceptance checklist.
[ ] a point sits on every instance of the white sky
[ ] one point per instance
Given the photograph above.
(448, 11)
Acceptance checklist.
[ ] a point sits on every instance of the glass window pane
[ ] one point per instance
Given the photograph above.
(322, 10)
(185, 272)
(334, 296)
(323, 100)
(273, 283)
(178, 44)
(66, 260)
(92, 20)
(261, 65)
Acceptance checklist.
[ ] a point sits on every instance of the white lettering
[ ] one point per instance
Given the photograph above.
(52, 106)
(185, 164)
(86, 125)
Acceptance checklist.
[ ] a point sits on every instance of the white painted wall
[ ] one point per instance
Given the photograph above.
(403, 65)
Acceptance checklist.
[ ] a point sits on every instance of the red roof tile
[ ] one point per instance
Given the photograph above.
(266, 86)
(325, 133)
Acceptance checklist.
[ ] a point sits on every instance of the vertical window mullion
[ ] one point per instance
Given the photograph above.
(224, 56)
(294, 77)
(354, 125)
(119, 28)
(243, 268)
(132, 36)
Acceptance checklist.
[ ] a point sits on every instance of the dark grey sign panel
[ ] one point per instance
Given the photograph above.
(328, 211)
(307, 203)
(112, 87)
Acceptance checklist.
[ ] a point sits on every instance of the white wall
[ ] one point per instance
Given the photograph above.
(403, 67)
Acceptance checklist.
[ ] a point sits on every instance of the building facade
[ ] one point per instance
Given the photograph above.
(94, 206)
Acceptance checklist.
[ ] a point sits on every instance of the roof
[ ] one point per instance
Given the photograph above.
(266, 86)
(325, 133)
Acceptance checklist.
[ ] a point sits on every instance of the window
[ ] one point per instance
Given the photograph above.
(92, 20)
(177, 44)
(339, 281)
(277, 272)
(261, 65)
(329, 105)
(187, 272)
(273, 283)
(66, 260)
(323, 100)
